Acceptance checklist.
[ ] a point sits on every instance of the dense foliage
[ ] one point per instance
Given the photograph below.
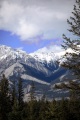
(72, 59)
(12, 106)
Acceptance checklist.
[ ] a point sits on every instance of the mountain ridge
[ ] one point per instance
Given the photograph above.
(48, 54)
(17, 63)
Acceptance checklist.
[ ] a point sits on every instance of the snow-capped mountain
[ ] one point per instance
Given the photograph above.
(11, 56)
(48, 54)
(6, 51)
(39, 67)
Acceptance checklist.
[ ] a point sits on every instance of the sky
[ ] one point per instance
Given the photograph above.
(34, 24)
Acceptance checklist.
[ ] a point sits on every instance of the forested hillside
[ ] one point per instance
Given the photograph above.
(12, 106)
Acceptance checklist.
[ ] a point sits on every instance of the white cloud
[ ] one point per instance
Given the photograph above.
(51, 48)
(20, 48)
(28, 19)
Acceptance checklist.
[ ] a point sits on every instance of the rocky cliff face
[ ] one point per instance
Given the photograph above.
(40, 67)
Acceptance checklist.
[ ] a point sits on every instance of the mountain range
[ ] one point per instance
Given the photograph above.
(41, 67)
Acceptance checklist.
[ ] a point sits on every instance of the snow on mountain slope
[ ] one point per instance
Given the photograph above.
(6, 51)
(37, 67)
(33, 67)
(9, 55)
(14, 58)
(48, 54)
(18, 68)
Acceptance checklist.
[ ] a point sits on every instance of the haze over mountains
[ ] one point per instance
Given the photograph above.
(40, 67)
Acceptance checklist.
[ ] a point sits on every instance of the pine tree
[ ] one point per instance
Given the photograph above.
(17, 102)
(14, 94)
(72, 60)
(20, 93)
(63, 110)
(73, 87)
(5, 102)
(43, 108)
(32, 92)
(15, 114)
(49, 112)
(32, 101)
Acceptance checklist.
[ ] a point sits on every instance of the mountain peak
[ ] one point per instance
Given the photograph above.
(6, 51)
(48, 54)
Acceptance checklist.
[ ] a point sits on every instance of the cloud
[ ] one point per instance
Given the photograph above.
(35, 20)
(52, 48)
(20, 48)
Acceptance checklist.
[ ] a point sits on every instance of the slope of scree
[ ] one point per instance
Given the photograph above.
(15, 63)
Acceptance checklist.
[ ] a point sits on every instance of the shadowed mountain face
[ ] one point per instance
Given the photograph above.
(17, 63)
